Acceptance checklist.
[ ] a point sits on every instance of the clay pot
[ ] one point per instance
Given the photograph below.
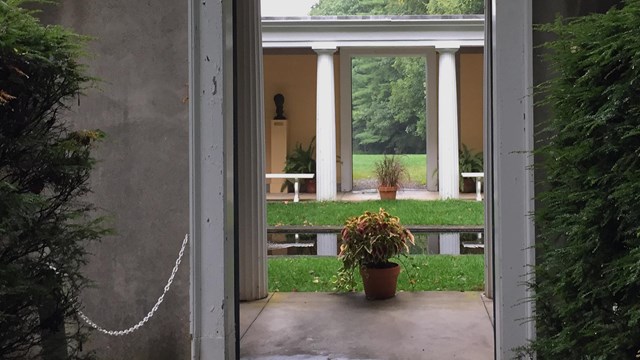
(468, 185)
(387, 192)
(311, 186)
(380, 283)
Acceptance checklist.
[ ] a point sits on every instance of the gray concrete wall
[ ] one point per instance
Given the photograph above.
(141, 181)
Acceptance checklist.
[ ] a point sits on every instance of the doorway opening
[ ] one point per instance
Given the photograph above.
(388, 96)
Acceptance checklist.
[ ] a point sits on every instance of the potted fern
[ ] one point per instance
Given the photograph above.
(369, 241)
(470, 161)
(301, 161)
(390, 171)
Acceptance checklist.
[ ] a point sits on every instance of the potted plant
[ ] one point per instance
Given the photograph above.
(368, 242)
(390, 172)
(469, 162)
(301, 161)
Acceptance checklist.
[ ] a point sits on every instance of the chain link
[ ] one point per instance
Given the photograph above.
(153, 310)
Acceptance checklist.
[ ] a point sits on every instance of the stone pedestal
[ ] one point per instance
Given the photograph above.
(279, 130)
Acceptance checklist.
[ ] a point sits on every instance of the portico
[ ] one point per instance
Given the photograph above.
(334, 42)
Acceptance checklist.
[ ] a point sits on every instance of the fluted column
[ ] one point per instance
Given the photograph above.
(252, 230)
(448, 168)
(325, 126)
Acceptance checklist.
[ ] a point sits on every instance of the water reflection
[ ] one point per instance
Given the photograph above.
(327, 244)
(322, 244)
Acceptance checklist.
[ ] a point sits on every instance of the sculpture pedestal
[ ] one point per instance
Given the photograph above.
(278, 152)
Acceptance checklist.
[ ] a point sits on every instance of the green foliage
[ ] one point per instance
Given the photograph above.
(370, 240)
(389, 105)
(390, 171)
(419, 273)
(360, 7)
(416, 165)
(414, 212)
(300, 161)
(470, 161)
(44, 171)
(588, 273)
(388, 100)
(455, 7)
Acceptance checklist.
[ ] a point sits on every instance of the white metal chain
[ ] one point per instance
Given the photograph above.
(153, 310)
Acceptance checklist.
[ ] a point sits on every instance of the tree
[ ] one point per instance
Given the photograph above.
(455, 7)
(388, 105)
(349, 7)
(44, 172)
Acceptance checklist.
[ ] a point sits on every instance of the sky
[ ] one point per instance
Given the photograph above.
(286, 7)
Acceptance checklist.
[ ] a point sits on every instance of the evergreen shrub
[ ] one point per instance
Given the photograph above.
(44, 171)
(588, 272)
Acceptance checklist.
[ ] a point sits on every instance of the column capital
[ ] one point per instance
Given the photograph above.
(324, 48)
(447, 48)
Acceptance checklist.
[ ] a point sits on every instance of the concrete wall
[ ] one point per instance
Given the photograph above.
(470, 101)
(294, 76)
(141, 179)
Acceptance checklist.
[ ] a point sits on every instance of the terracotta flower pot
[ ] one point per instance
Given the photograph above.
(387, 192)
(468, 185)
(380, 284)
(311, 186)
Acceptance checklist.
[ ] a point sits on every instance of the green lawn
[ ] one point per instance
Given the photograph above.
(363, 167)
(410, 212)
(430, 272)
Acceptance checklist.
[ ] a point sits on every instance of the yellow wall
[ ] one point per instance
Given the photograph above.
(470, 102)
(294, 76)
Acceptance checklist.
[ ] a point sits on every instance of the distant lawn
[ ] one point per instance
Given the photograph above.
(410, 212)
(431, 272)
(364, 165)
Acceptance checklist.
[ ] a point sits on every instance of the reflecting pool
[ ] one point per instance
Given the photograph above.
(328, 244)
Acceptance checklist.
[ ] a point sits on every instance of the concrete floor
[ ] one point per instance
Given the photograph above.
(369, 195)
(322, 326)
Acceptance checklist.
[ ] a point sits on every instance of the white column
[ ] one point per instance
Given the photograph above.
(252, 230)
(325, 126)
(327, 244)
(509, 185)
(211, 202)
(448, 168)
(431, 73)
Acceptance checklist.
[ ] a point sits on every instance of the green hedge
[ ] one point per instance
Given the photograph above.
(44, 173)
(588, 273)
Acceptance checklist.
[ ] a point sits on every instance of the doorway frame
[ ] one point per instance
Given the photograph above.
(509, 200)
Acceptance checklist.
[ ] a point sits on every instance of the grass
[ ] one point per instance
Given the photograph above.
(364, 165)
(410, 212)
(430, 272)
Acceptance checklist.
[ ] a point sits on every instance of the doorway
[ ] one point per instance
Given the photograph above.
(388, 118)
